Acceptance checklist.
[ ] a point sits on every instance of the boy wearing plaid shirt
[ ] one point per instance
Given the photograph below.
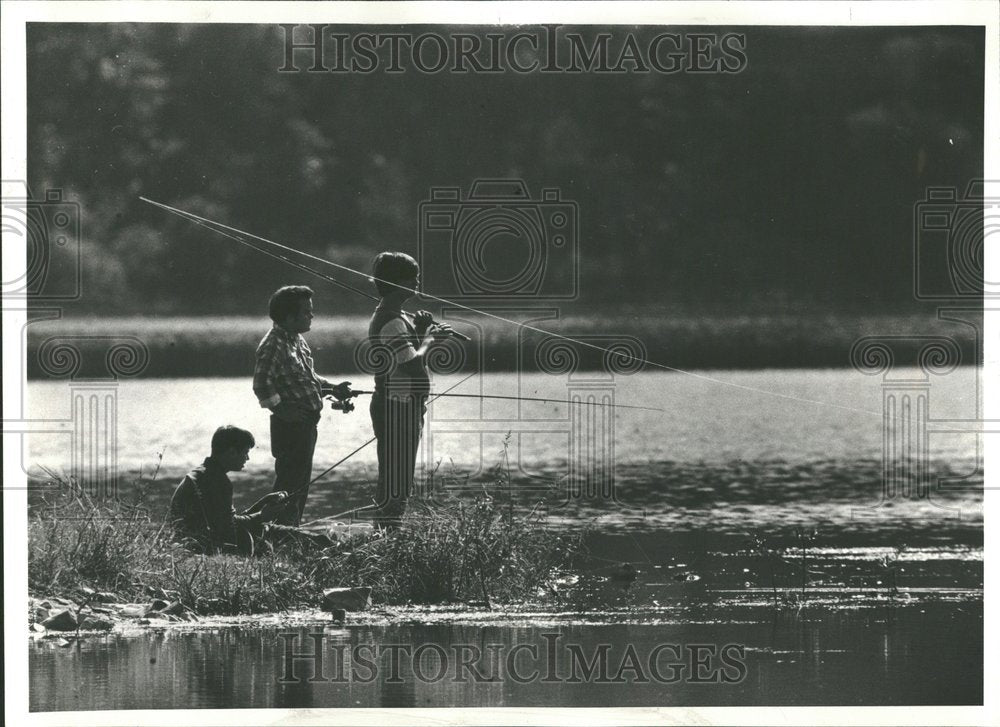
(286, 383)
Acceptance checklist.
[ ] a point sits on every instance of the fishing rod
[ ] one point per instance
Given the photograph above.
(208, 225)
(314, 271)
(344, 404)
(354, 392)
(620, 355)
(289, 261)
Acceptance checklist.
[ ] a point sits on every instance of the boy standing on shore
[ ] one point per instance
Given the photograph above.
(399, 402)
(286, 383)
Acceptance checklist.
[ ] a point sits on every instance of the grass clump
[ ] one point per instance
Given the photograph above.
(475, 549)
(75, 541)
(470, 551)
(116, 547)
(480, 549)
(234, 584)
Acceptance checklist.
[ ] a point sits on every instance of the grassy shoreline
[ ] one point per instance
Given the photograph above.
(481, 548)
(224, 346)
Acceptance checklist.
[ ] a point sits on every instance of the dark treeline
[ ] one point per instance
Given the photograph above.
(787, 185)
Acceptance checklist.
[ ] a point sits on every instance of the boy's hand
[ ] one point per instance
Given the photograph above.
(339, 391)
(289, 411)
(422, 321)
(440, 331)
(275, 504)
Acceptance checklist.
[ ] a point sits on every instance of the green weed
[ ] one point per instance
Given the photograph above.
(481, 549)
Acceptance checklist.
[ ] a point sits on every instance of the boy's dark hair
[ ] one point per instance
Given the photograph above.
(285, 301)
(392, 267)
(229, 437)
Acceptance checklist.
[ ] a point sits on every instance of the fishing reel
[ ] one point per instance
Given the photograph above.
(346, 405)
(342, 402)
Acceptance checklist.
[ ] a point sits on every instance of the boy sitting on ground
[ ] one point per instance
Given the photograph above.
(202, 512)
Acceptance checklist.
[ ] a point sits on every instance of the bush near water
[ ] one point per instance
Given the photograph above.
(224, 346)
(480, 549)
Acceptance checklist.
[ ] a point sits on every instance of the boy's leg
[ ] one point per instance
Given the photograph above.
(414, 427)
(384, 412)
(247, 537)
(293, 445)
(379, 414)
(398, 446)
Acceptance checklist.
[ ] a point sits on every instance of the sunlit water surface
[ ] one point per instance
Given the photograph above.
(868, 596)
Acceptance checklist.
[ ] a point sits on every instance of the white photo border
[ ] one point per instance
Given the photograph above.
(14, 17)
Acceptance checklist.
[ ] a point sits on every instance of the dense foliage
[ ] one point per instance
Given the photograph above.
(480, 549)
(791, 182)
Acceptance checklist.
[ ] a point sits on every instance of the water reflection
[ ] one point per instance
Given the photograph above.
(919, 653)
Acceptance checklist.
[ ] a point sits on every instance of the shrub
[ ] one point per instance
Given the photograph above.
(72, 542)
(481, 550)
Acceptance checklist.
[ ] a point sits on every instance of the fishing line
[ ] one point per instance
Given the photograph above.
(530, 398)
(211, 224)
(208, 225)
(330, 469)
(325, 472)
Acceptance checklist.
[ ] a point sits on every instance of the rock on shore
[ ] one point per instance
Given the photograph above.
(100, 612)
(348, 599)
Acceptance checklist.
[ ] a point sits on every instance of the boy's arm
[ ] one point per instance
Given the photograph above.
(263, 379)
(245, 518)
(265, 509)
(185, 509)
(410, 360)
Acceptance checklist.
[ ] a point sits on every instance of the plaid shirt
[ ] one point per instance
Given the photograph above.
(283, 371)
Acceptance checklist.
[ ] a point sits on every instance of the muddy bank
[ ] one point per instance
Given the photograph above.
(97, 612)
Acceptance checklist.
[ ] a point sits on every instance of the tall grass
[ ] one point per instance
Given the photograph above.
(482, 549)
(479, 551)
(74, 541)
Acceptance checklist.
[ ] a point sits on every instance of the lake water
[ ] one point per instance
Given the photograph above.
(717, 417)
(813, 656)
(693, 485)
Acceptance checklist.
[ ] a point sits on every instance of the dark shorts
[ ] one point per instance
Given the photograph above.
(398, 423)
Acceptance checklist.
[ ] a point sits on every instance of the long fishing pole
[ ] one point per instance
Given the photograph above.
(570, 402)
(625, 357)
(208, 225)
